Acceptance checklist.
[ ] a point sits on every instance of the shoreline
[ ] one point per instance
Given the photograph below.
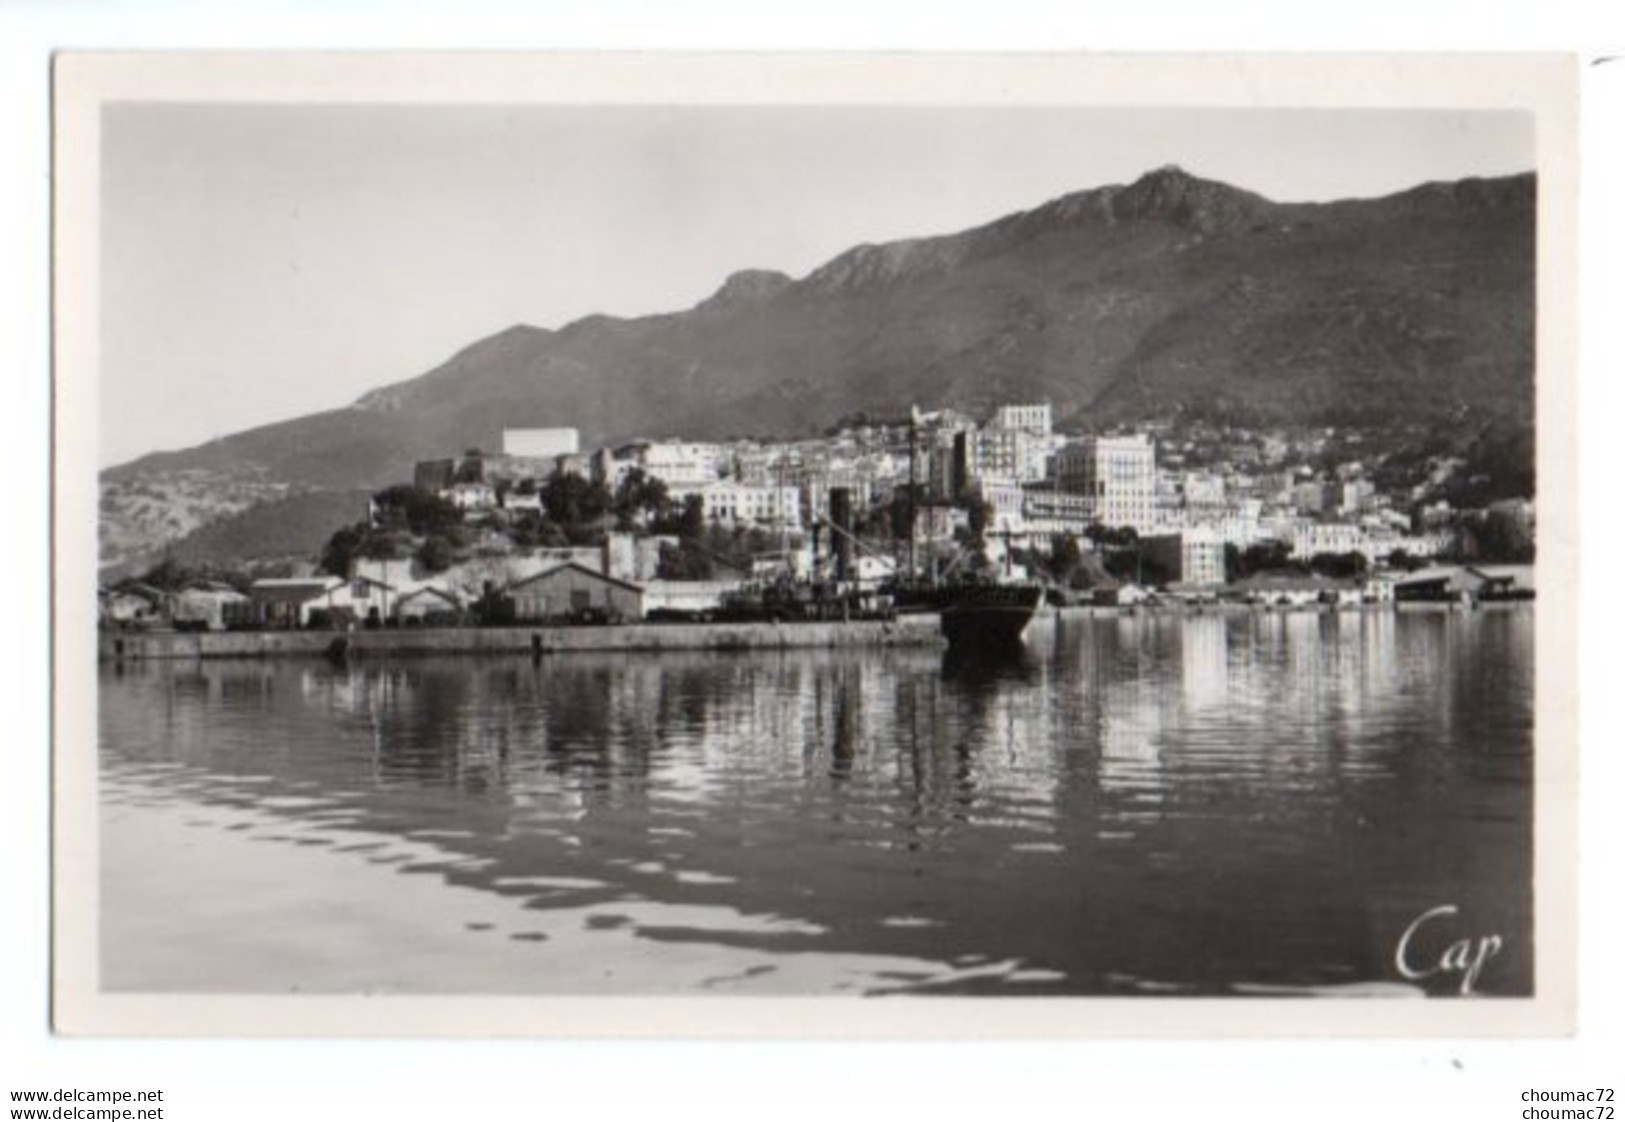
(905, 631)
(915, 630)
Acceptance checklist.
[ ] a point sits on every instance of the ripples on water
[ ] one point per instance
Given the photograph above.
(1153, 804)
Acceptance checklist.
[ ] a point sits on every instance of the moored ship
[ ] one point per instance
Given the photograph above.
(977, 617)
(990, 617)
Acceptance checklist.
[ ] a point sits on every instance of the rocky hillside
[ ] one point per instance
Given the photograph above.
(1169, 295)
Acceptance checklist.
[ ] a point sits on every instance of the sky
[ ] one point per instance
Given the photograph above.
(260, 262)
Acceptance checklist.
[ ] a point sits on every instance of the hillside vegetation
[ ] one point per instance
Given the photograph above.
(1172, 296)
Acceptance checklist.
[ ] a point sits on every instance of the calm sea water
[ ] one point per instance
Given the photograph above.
(1164, 805)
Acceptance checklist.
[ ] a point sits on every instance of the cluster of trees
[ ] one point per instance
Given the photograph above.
(1352, 565)
(1063, 563)
(1497, 535)
(1277, 557)
(712, 551)
(1125, 557)
(405, 521)
(641, 501)
(1118, 554)
(1498, 464)
(1122, 555)
(171, 575)
(1261, 557)
(408, 521)
(862, 418)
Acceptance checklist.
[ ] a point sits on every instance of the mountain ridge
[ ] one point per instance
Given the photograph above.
(1171, 294)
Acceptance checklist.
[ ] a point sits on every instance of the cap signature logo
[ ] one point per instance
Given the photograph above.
(1466, 956)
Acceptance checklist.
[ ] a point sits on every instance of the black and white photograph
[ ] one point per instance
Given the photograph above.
(970, 546)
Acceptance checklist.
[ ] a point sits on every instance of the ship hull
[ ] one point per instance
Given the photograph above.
(993, 618)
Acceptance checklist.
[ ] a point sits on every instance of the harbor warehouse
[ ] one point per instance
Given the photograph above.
(572, 590)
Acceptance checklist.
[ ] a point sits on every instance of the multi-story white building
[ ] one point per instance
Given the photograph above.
(471, 495)
(997, 455)
(760, 464)
(1035, 420)
(683, 467)
(1203, 489)
(1240, 524)
(731, 503)
(1007, 505)
(1193, 556)
(1055, 513)
(1169, 500)
(541, 444)
(1422, 545)
(1358, 495)
(1310, 538)
(1117, 473)
(530, 500)
(1376, 542)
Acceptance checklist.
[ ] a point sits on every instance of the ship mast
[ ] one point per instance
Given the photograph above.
(784, 530)
(913, 440)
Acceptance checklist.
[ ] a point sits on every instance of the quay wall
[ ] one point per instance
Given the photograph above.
(1082, 611)
(915, 630)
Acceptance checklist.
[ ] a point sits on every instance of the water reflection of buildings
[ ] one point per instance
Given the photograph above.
(177, 712)
(1204, 657)
(1256, 700)
(1001, 755)
(569, 735)
(1130, 684)
(1143, 706)
(1106, 803)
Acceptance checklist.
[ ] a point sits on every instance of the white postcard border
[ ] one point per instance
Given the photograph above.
(1542, 85)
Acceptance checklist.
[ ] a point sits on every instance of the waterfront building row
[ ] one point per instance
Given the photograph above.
(1038, 484)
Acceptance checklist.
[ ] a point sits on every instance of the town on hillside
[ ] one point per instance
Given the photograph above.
(541, 529)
